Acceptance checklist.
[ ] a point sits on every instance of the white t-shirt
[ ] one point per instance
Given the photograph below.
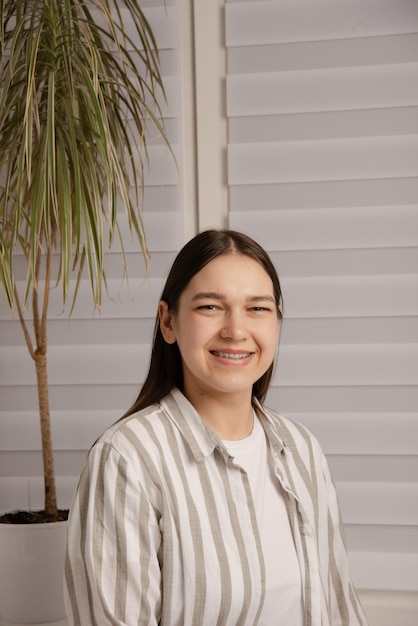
(283, 602)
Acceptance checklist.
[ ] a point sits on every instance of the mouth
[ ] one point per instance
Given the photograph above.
(232, 356)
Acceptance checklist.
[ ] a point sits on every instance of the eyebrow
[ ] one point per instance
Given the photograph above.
(212, 295)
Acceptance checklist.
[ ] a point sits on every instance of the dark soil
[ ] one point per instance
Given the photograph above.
(32, 517)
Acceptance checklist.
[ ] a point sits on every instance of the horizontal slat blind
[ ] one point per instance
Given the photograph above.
(96, 361)
(322, 105)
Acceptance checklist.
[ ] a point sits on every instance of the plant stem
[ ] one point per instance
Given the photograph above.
(39, 323)
(47, 452)
(39, 355)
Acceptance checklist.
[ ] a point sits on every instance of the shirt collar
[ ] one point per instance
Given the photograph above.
(201, 439)
(272, 429)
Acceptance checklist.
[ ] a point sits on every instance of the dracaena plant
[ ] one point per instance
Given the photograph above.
(79, 82)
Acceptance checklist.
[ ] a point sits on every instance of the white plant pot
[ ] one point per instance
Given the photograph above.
(32, 560)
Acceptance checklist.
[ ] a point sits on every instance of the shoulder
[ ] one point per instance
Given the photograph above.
(133, 433)
(303, 455)
(293, 434)
(135, 450)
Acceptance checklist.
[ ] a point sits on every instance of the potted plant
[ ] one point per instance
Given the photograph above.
(77, 88)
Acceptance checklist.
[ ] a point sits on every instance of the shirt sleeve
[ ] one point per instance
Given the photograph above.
(112, 571)
(345, 608)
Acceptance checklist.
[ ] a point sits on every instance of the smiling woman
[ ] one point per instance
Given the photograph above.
(201, 506)
(226, 327)
(166, 371)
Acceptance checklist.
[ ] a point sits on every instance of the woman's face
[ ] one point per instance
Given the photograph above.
(226, 327)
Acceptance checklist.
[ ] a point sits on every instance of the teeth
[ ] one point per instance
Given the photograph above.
(233, 357)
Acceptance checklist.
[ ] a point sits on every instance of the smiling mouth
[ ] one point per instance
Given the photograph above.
(232, 356)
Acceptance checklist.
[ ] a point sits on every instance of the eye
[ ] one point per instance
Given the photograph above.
(260, 308)
(207, 307)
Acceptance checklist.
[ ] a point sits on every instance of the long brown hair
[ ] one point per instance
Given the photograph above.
(165, 368)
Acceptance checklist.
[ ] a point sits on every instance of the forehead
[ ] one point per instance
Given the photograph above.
(231, 273)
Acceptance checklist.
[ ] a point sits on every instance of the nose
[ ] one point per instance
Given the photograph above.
(233, 328)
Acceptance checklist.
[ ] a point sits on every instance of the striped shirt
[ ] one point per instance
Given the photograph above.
(163, 529)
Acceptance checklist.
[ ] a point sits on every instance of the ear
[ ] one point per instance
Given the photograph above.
(167, 324)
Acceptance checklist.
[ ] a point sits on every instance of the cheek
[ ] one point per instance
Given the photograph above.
(193, 336)
(187, 334)
(271, 338)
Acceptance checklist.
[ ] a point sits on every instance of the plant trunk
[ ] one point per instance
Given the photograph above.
(39, 355)
(47, 451)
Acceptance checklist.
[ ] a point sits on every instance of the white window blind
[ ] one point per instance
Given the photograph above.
(322, 106)
(96, 362)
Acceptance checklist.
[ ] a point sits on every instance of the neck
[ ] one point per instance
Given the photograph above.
(232, 418)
